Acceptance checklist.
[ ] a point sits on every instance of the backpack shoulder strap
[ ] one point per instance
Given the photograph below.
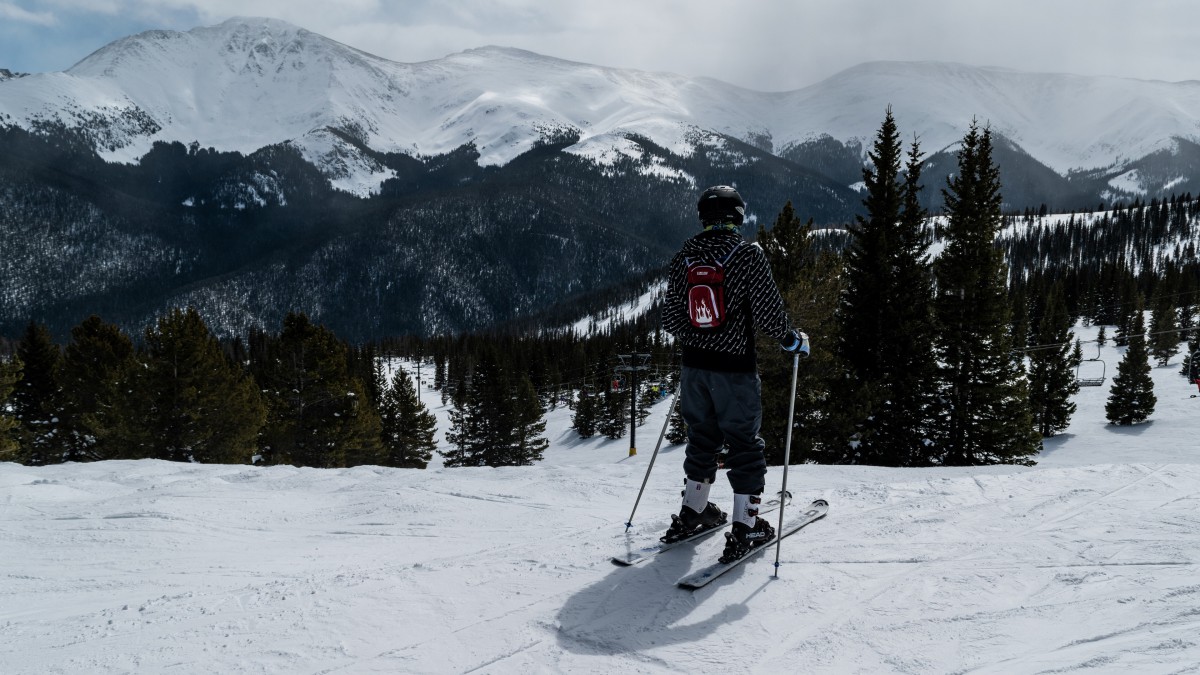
(729, 256)
(718, 259)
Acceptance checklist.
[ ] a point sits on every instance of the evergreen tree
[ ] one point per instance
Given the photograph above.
(440, 376)
(677, 429)
(1191, 361)
(885, 341)
(379, 383)
(646, 400)
(1020, 321)
(1164, 330)
(10, 374)
(317, 411)
(526, 445)
(1131, 399)
(1051, 371)
(37, 398)
(552, 389)
(408, 427)
(1101, 337)
(474, 414)
(98, 367)
(1128, 303)
(1187, 318)
(614, 413)
(810, 285)
(585, 417)
(986, 416)
(363, 364)
(496, 421)
(188, 403)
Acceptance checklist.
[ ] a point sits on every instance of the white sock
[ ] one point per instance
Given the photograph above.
(695, 494)
(745, 508)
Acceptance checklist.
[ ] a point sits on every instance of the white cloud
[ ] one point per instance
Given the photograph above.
(12, 12)
(780, 44)
(760, 44)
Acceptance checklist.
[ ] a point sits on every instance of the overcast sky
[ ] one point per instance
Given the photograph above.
(768, 45)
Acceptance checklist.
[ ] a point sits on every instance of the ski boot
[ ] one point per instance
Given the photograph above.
(742, 538)
(690, 522)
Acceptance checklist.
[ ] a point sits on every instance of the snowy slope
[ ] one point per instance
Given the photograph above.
(1088, 561)
(248, 83)
(1064, 121)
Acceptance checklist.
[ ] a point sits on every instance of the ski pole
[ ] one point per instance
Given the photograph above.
(787, 457)
(670, 411)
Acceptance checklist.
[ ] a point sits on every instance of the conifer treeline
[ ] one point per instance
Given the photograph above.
(1104, 263)
(303, 397)
(298, 397)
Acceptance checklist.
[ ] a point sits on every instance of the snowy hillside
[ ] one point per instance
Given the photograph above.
(250, 83)
(1087, 561)
(1065, 121)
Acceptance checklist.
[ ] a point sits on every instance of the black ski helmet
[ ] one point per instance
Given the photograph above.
(721, 204)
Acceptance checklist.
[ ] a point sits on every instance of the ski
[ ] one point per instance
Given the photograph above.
(634, 556)
(705, 575)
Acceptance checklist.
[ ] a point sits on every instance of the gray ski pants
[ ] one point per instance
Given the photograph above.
(723, 409)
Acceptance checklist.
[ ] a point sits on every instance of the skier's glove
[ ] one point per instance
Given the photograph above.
(795, 342)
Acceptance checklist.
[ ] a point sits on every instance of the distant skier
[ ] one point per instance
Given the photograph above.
(720, 290)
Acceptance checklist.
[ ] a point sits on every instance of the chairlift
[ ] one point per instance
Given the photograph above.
(1194, 369)
(618, 383)
(1092, 380)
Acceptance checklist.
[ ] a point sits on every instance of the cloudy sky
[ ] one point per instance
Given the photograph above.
(759, 44)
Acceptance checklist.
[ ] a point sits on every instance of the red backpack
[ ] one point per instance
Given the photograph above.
(706, 291)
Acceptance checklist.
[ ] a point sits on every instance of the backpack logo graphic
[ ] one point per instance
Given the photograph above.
(706, 292)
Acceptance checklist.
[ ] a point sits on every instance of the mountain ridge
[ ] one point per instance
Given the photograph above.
(248, 83)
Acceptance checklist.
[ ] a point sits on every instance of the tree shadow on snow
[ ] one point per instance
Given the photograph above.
(1129, 429)
(1053, 444)
(638, 608)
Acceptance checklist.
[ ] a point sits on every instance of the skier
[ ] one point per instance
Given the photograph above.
(720, 290)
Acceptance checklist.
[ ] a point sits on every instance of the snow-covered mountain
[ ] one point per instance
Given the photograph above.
(250, 83)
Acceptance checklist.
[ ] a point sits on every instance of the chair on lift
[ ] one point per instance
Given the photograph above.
(1094, 379)
(1194, 369)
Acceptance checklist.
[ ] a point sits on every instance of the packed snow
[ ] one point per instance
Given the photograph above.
(1088, 561)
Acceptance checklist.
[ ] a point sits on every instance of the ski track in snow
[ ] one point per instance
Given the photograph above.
(1088, 562)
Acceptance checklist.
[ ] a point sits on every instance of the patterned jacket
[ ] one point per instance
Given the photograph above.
(752, 301)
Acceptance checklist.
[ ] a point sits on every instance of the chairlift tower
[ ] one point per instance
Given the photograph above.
(634, 364)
